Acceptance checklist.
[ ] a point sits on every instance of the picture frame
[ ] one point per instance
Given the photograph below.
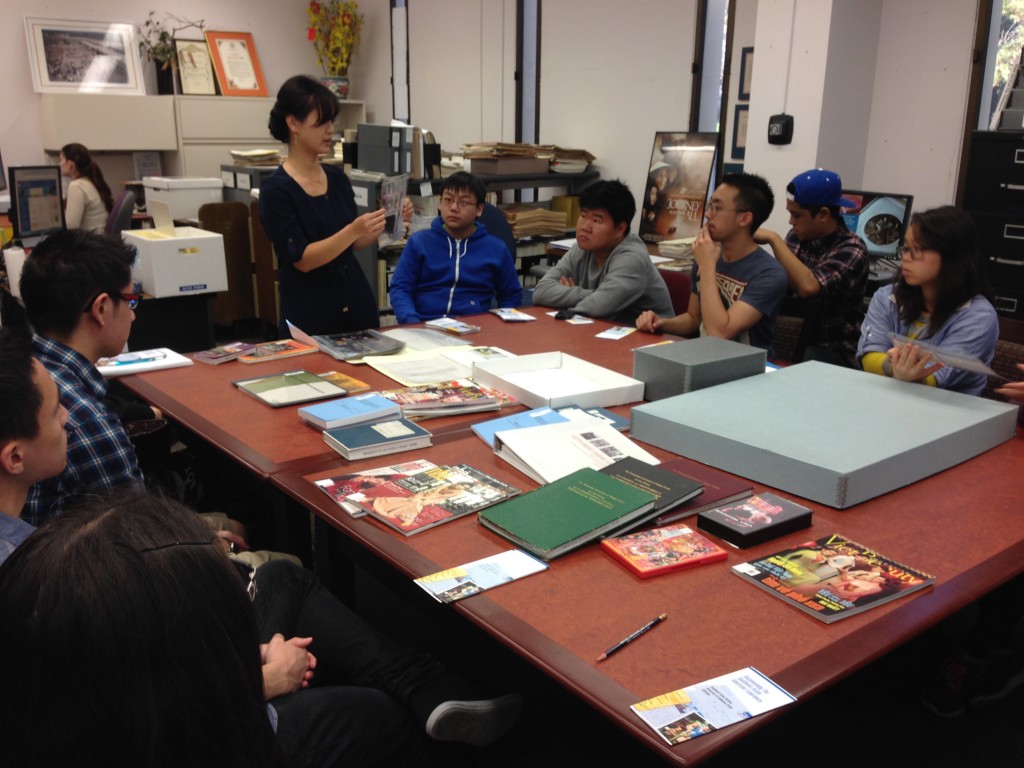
(676, 189)
(746, 73)
(739, 131)
(195, 68)
(71, 56)
(236, 64)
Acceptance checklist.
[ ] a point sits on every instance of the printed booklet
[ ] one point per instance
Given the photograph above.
(472, 578)
(338, 488)
(661, 550)
(700, 709)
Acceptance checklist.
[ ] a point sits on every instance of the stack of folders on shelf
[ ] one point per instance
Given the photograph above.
(578, 509)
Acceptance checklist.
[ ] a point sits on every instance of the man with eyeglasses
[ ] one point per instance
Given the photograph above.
(456, 267)
(77, 290)
(824, 259)
(737, 286)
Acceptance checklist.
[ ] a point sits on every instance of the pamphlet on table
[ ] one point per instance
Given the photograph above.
(473, 578)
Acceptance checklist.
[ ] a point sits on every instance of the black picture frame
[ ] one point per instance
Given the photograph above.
(746, 73)
(739, 131)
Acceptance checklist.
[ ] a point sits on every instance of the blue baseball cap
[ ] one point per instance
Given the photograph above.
(819, 187)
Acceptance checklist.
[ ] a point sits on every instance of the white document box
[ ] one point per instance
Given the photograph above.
(184, 196)
(190, 261)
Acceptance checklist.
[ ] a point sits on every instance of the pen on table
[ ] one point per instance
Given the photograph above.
(627, 640)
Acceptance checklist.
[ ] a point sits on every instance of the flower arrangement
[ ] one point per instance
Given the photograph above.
(334, 31)
(156, 41)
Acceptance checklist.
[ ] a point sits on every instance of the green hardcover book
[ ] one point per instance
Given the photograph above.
(567, 513)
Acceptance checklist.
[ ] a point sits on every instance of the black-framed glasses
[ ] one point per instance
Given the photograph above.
(458, 202)
(133, 299)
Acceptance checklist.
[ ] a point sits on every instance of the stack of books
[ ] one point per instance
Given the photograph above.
(346, 411)
(446, 398)
(529, 220)
(362, 441)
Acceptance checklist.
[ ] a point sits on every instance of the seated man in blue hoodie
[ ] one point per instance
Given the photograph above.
(455, 267)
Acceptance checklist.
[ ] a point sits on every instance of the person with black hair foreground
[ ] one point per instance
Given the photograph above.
(89, 199)
(33, 442)
(309, 211)
(608, 272)
(456, 267)
(137, 644)
(824, 260)
(938, 298)
(737, 287)
(77, 290)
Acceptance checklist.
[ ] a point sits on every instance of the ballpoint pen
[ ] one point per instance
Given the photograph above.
(627, 640)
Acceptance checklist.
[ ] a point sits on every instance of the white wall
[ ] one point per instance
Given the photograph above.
(279, 31)
(877, 88)
(612, 75)
(462, 68)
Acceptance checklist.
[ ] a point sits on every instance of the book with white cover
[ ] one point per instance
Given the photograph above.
(551, 451)
(141, 362)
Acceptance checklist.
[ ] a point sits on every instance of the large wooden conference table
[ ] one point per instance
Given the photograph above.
(964, 525)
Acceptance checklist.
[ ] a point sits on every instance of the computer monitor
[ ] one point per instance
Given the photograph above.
(3, 176)
(36, 206)
(880, 219)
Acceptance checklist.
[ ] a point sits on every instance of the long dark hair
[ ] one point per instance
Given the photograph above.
(80, 156)
(950, 231)
(298, 97)
(129, 640)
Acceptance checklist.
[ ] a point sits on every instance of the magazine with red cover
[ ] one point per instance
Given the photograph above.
(832, 578)
(662, 550)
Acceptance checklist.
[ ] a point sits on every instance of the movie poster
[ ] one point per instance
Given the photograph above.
(677, 185)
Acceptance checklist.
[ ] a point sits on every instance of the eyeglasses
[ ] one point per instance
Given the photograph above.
(458, 202)
(914, 254)
(133, 299)
(713, 209)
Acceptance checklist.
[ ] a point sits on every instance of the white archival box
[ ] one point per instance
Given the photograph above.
(177, 261)
(183, 195)
(556, 379)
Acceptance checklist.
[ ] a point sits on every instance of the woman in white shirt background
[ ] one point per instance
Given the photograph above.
(89, 200)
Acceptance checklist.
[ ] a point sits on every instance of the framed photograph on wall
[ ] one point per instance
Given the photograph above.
(68, 56)
(236, 64)
(746, 73)
(677, 185)
(739, 131)
(195, 70)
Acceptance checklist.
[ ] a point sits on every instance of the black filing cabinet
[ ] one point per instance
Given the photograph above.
(995, 199)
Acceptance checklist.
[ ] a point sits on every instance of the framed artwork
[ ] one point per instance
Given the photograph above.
(746, 73)
(677, 185)
(236, 64)
(739, 131)
(84, 57)
(195, 70)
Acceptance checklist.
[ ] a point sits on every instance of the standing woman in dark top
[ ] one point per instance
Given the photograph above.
(309, 212)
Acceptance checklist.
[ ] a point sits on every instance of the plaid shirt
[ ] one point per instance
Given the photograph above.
(100, 455)
(840, 264)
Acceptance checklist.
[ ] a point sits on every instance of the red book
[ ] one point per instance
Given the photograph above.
(661, 550)
(719, 488)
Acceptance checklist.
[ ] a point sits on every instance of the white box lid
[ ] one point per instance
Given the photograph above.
(181, 182)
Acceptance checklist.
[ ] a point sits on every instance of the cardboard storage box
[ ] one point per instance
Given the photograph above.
(192, 261)
(183, 195)
(556, 379)
(507, 166)
(834, 435)
(686, 366)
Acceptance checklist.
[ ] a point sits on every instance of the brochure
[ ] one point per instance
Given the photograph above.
(473, 578)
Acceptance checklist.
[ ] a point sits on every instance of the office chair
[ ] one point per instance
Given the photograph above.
(120, 217)
(498, 225)
(795, 327)
(678, 284)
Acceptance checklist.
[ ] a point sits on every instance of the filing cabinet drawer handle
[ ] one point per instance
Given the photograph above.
(1013, 232)
(1009, 262)
(1015, 187)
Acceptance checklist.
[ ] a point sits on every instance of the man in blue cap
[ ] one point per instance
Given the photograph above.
(823, 259)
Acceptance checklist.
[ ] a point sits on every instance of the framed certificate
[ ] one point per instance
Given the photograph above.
(195, 70)
(236, 64)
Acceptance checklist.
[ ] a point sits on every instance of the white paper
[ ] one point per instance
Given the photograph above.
(472, 578)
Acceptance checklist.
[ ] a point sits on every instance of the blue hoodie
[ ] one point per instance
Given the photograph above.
(439, 276)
